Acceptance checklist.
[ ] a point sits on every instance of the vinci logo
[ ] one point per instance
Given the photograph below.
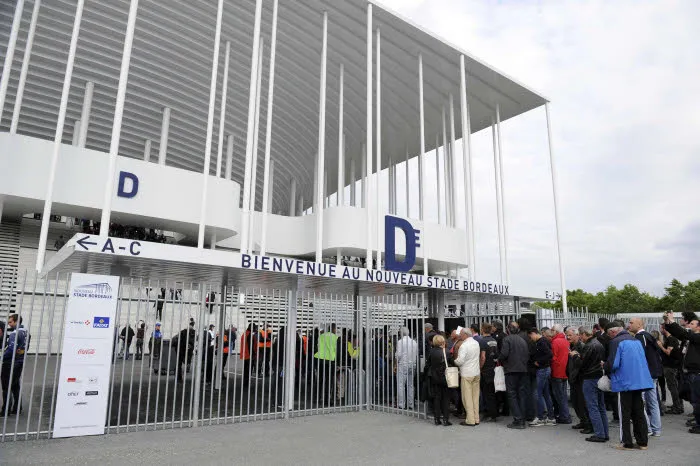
(391, 224)
(94, 290)
(100, 322)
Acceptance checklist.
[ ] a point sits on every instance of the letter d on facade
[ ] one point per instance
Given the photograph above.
(391, 224)
(122, 188)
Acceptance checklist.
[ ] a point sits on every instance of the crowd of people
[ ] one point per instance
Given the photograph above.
(614, 366)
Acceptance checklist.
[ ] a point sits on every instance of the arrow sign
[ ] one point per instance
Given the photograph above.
(83, 242)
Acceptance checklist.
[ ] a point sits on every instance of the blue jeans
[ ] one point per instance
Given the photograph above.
(694, 380)
(543, 396)
(653, 411)
(517, 386)
(559, 390)
(595, 403)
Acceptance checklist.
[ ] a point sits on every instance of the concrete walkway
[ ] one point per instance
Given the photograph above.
(355, 438)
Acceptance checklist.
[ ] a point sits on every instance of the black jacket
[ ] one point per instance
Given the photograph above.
(531, 351)
(573, 368)
(435, 365)
(593, 353)
(514, 354)
(543, 353)
(673, 360)
(604, 340)
(652, 353)
(691, 362)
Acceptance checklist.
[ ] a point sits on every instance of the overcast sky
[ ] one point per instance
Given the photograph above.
(624, 81)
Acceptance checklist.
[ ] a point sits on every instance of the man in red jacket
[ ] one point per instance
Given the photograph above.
(560, 348)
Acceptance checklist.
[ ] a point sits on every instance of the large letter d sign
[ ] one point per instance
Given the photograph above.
(391, 224)
(123, 190)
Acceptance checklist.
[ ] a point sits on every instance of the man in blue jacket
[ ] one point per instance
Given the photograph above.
(629, 377)
(653, 356)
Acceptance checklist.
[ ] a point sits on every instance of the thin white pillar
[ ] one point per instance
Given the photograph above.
(164, 129)
(25, 67)
(503, 195)
(48, 200)
(229, 157)
(254, 173)
(322, 142)
(206, 170)
(556, 209)
(437, 178)
(363, 181)
(446, 161)
(251, 127)
(421, 154)
(326, 197)
(271, 195)
(408, 197)
(378, 178)
(10, 54)
(147, 151)
(301, 205)
(467, 166)
(352, 183)
(118, 115)
(222, 115)
(453, 160)
(341, 139)
(85, 114)
(269, 166)
(292, 197)
(314, 205)
(76, 133)
(370, 137)
(212, 241)
(498, 200)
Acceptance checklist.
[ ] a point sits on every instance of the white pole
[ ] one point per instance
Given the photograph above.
(446, 161)
(292, 197)
(9, 54)
(85, 114)
(147, 151)
(421, 155)
(251, 128)
(271, 195)
(353, 202)
(301, 205)
(378, 178)
(314, 206)
(341, 139)
(206, 170)
(326, 200)
(408, 197)
(229, 156)
(267, 176)
(322, 142)
(76, 133)
(25, 67)
(256, 137)
(222, 115)
(370, 137)
(212, 244)
(503, 195)
(164, 129)
(467, 166)
(498, 200)
(453, 164)
(48, 200)
(556, 209)
(363, 180)
(118, 115)
(437, 177)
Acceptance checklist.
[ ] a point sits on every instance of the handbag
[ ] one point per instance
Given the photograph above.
(604, 384)
(499, 379)
(451, 373)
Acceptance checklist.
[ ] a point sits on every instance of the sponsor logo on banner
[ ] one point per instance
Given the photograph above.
(86, 351)
(80, 322)
(73, 393)
(92, 380)
(91, 393)
(100, 322)
(94, 291)
(81, 403)
(73, 380)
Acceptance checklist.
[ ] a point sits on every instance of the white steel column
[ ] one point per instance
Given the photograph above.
(363, 180)
(408, 197)
(556, 209)
(222, 115)
(437, 177)
(353, 202)
(118, 115)
(85, 114)
(326, 198)
(370, 137)
(271, 194)
(446, 161)
(9, 54)
(421, 155)
(229, 157)
(76, 133)
(498, 200)
(206, 170)
(164, 129)
(378, 177)
(269, 167)
(503, 202)
(147, 151)
(322, 142)
(292, 197)
(245, 213)
(48, 200)
(256, 145)
(301, 205)
(453, 160)
(25, 67)
(467, 166)
(341, 140)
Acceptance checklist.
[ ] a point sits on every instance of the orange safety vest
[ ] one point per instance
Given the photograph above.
(264, 342)
(305, 340)
(245, 351)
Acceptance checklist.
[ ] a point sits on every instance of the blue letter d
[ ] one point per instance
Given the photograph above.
(121, 188)
(390, 225)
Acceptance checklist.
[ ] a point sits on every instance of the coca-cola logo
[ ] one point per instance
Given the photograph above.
(86, 351)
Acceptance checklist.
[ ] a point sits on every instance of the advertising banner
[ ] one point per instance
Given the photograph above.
(83, 388)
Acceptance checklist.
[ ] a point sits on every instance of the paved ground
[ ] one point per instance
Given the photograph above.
(354, 438)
